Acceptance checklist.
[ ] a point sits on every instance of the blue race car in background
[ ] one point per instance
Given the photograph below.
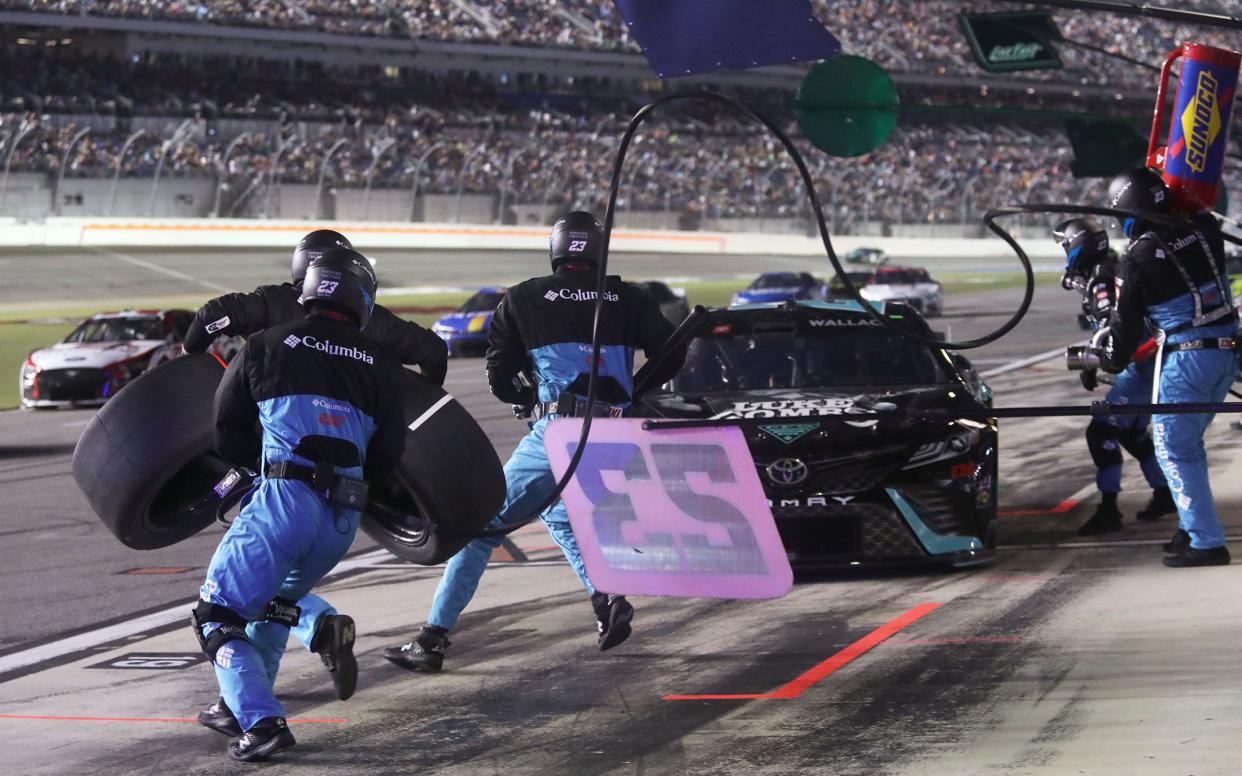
(465, 331)
(780, 286)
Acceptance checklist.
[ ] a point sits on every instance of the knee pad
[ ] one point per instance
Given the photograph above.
(1103, 443)
(1138, 442)
(283, 611)
(232, 627)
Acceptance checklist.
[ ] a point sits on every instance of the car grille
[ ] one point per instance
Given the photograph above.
(845, 474)
(945, 512)
(837, 533)
(71, 384)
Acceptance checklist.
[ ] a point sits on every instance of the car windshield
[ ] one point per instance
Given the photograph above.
(859, 356)
(780, 280)
(118, 330)
(482, 302)
(859, 279)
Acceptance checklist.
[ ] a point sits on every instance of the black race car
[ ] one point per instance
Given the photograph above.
(822, 392)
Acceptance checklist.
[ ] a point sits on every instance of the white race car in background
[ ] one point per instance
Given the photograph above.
(101, 356)
(911, 285)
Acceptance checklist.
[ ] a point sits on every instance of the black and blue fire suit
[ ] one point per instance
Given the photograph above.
(323, 393)
(1174, 279)
(542, 329)
(240, 314)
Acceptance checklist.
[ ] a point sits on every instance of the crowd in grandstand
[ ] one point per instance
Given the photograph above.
(925, 173)
(904, 35)
(302, 123)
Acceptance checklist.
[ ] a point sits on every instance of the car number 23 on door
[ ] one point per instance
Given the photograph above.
(675, 513)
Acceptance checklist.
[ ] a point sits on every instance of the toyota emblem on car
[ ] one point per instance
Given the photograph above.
(787, 471)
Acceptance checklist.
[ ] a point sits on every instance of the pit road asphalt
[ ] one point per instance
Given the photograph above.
(1065, 656)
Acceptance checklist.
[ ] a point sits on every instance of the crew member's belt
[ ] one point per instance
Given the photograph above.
(339, 490)
(573, 407)
(1211, 343)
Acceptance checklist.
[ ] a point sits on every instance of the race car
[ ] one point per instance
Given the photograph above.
(911, 285)
(465, 330)
(828, 400)
(672, 304)
(873, 256)
(779, 286)
(101, 356)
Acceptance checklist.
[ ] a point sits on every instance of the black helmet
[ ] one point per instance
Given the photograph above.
(1142, 190)
(342, 279)
(311, 247)
(576, 236)
(1085, 244)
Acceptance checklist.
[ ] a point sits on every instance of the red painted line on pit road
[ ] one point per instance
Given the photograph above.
(56, 718)
(1059, 509)
(830, 666)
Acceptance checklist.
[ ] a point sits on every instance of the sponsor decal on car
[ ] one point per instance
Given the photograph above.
(792, 408)
(822, 322)
(788, 432)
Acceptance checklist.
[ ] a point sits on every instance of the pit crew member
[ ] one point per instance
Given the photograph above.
(321, 629)
(326, 399)
(542, 332)
(1174, 278)
(1090, 269)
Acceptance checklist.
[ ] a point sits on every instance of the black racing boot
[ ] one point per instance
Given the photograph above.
(219, 717)
(1174, 546)
(265, 738)
(425, 653)
(1107, 517)
(1189, 556)
(613, 615)
(334, 641)
(1161, 504)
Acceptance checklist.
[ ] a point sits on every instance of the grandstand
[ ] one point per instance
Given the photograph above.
(508, 111)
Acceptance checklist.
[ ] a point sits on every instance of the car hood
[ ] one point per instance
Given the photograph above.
(851, 418)
(466, 322)
(91, 355)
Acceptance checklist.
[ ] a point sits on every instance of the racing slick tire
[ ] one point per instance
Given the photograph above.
(449, 476)
(145, 461)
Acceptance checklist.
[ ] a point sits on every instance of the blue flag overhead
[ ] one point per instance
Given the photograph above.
(683, 37)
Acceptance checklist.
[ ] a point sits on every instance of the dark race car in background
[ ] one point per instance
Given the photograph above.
(820, 391)
(465, 330)
(672, 303)
(101, 356)
(779, 286)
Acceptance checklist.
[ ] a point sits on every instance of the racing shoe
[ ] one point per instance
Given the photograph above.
(334, 641)
(1189, 556)
(1161, 504)
(425, 653)
(1180, 541)
(1107, 518)
(265, 738)
(613, 615)
(219, 717)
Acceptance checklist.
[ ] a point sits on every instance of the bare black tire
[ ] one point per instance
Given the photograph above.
(145, 461)
(449, 475)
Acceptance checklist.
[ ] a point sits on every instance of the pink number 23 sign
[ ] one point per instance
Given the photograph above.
(669, 512)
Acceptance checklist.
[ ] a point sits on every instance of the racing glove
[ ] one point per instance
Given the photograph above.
(1089, 379)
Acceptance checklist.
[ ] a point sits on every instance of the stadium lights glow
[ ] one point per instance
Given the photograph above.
(25, 42)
